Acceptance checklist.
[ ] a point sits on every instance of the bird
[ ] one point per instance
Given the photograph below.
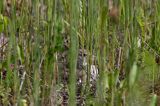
(114, 14)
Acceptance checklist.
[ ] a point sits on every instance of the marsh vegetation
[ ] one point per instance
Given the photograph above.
(79, 52)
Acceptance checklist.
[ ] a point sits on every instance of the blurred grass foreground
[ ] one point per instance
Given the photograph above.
(79, 52)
